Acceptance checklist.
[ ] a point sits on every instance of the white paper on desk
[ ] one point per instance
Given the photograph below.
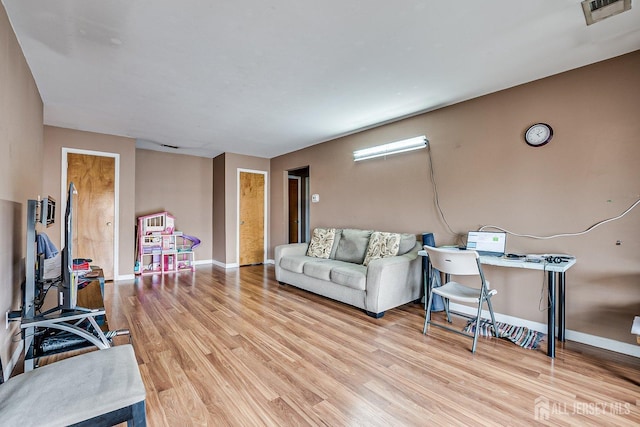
(53, 267)
(635, 329)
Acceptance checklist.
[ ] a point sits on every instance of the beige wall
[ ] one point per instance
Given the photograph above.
(181, 185)
(55, 139)
(486, 174)
(20, 171)
(226, 230)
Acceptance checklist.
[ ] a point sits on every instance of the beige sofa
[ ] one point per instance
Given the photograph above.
(371, 270)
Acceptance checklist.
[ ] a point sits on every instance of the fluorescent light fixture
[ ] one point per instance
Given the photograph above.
(410, 144)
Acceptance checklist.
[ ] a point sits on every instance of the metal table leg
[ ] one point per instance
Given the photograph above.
(561, 308)
(551, 315)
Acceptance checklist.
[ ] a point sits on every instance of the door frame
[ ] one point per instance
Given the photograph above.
(307, 209)
(299, 207)
(266, 218)
(116, 195)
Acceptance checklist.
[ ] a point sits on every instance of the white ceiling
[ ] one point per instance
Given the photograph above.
(266, 77)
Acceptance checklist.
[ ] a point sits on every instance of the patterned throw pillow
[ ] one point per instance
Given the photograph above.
(321, 242)
(382, 245)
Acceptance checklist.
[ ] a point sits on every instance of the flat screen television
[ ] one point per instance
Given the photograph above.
(68, 287)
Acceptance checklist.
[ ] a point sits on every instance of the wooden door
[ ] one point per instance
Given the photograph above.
(294, 209)
(94, 212)
(251, 216)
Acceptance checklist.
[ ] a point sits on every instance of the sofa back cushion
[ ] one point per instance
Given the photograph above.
(382, 245)
(407, 243)
(321, 242)
(352, 246)
(336, 241)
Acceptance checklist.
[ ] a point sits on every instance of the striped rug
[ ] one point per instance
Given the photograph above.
(520, 335)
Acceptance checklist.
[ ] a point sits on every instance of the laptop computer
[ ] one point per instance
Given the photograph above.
(487, 242)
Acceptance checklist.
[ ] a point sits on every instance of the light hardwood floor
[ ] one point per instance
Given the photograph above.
(236, 348)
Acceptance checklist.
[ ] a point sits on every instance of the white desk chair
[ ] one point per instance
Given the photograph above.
(460, 263)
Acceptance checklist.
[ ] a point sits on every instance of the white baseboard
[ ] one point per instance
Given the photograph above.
(133, 276)
(235, 264)
(581, 337)
(223, 265)
(204, 262)
(605, 343)
(15, 357)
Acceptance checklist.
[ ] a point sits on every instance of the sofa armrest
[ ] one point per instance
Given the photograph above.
(287, 250)
(393, 281)
(291, 249)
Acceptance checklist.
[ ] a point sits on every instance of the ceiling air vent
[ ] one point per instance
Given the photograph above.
(597, 10)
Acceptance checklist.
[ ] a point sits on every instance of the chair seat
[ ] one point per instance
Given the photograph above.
(458, 292)
(73, 390)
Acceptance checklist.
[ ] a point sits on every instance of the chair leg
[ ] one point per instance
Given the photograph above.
(493, 318)
(477, 332)
(426, 279)
(446, 309)
(427, 314)
(138, 415)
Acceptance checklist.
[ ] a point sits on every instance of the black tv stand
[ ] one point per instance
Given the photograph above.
(79, 322)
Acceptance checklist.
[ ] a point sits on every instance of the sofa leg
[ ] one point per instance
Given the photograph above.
(282, 283)
(375, 315)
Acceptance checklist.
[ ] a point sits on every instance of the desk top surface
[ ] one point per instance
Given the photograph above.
(520, 263)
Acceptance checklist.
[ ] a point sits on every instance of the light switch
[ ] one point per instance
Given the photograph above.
(315, 198)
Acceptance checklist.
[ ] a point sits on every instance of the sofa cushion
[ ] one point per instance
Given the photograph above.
(321, 242)
(350, 275)
(294, 263)
(407, 242)
(319, 268)
(382, 245)
(353, 245)
(336, 242)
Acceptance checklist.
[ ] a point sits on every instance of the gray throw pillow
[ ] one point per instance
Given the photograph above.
(336, 240)
(407, 242)
(353, 244)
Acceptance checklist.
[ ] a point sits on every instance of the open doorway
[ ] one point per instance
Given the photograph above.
(298, 205)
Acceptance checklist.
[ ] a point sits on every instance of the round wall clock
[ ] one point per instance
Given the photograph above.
(538, 135)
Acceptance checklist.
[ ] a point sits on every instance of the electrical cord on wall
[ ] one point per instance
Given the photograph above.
(435, 191)
(484, 227)
(585, 231)
(592, 227)
(495, 227)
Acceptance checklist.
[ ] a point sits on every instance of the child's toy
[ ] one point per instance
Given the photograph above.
(161, 248)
